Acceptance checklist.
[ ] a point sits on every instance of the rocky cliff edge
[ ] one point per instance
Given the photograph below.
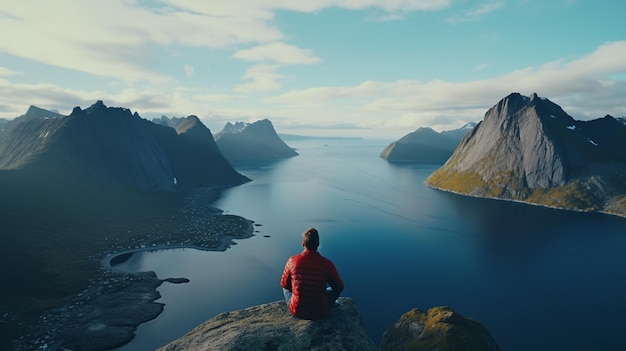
(271, 327)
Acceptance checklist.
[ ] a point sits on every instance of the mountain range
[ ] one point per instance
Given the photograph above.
(426, 145)
(111, 145)
(104, 155)
(252, 141)
(528, 149)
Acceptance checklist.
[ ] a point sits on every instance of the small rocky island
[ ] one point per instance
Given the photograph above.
(271, 327)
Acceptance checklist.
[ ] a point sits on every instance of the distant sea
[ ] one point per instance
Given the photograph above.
(536, 278)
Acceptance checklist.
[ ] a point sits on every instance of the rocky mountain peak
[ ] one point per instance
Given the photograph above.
(252, 141)
(533, 97)
(189, 123)
(98, 104)
(469, 125)
(425, 130)
(424, 145)
(97, 107)
(37, 112)
(234, 128)
(524, 144)
(113, 147)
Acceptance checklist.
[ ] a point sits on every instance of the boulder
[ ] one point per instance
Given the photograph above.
(439, 329)
(271, 327)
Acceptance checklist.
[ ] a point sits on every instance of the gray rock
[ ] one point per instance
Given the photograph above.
(271, 327)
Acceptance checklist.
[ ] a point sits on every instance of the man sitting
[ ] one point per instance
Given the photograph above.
(305, 277)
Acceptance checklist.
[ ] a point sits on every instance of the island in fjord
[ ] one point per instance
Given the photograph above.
(256, 141)
(426, 145)
(528, 149)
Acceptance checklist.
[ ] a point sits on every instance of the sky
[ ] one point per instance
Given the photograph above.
(363, 68)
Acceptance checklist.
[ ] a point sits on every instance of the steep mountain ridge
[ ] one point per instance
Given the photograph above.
(3, 125)
(254, 141)
(528, 149)
(27, 135)
(194, 144)
(110, 146)
(232, 128)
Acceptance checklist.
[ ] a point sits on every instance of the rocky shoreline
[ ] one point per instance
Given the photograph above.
(106, 314)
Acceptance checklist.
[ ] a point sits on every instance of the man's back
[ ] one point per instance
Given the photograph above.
(306, 275)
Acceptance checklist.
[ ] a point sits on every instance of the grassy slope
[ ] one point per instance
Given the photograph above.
(601, 190)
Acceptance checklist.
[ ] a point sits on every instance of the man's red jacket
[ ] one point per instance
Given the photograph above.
(306, 275)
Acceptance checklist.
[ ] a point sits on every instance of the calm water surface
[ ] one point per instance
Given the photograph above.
(537, 278)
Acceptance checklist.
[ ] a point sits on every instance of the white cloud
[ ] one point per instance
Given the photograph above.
(119, 38)
(147, 101)
(188, 70)
(263, 77)
(585, 87)
(17, 97)
(5, 72)
(386, 5)
(124, 39)
(218, 97)
(426, 103)
(129, 42)
(279, 53)
(477, 13)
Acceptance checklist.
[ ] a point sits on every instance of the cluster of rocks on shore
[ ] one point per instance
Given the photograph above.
(196, 224)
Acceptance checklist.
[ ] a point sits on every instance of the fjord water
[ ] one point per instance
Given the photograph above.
(537, 278)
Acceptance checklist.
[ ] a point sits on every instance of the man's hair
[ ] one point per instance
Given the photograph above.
(311, 239)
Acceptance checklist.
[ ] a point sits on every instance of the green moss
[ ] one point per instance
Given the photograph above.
(589, 192)
(438, 329)
(570, 196)
(505, 184)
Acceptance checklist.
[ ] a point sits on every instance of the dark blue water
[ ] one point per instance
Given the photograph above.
(537, 278)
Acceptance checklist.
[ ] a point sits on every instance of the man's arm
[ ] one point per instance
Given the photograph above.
(285, 279)
(334, 280)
